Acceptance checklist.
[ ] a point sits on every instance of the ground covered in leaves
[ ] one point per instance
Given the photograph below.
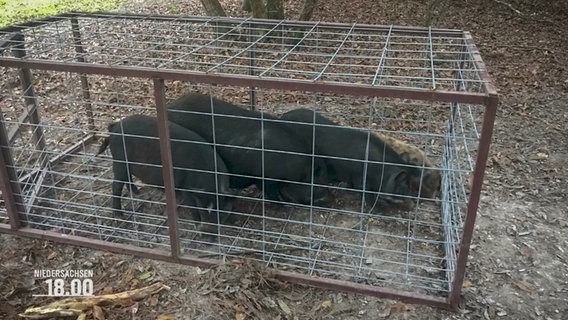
(518, 267)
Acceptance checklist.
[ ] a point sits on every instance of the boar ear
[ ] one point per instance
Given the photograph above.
(401, 178)
(414, 184)
(400, 182)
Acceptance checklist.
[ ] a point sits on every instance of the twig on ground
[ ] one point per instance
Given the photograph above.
(510, 7)
(526, 16)
(75, 306)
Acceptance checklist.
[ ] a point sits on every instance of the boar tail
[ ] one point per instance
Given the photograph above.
(106, 141)
(103, 146)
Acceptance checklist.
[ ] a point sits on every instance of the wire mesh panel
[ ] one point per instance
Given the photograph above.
(418, 96)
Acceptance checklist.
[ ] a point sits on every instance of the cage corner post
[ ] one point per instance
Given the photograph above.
(251, 58)
(10, 180)
(167, 166)
(29, 94)
(80, 56)
(474, 198)
(9, 184)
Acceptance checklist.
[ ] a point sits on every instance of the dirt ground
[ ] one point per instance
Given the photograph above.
(518, 266)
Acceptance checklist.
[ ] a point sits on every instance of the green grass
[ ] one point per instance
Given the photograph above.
(13, 11)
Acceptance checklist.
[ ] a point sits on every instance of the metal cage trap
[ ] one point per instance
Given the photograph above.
(65, 78)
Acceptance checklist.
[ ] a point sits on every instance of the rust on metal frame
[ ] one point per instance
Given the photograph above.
(29, 95)
(12, 194)
(15, 30)
(361, 288)
(478, 174)
(108, 246)
(248, 81)
(489, 99)
(474, 197)
(480, 66)
(208, 263)
(167, 165)
(205, 19)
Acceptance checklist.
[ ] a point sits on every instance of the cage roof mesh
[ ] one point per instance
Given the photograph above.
(316, 52)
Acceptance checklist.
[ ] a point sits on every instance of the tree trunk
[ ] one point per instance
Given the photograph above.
(258, 9)
(307, 10)
(213, 8)
(275, 9)
(246, 6)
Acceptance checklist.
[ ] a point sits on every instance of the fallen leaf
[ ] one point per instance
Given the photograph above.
(502, 313)
(127, 274)
(154, 300)
(284, 307)
(523, 285)
(466, 284)
(402, 307)
(385, 312)
(145, 275)
(107, 290)
(240, 313)
(164, 317)
(98, 313)
(326, 304)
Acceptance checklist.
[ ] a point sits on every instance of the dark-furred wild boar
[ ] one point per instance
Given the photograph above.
(245, 138)
(135, 149)
(386, 171)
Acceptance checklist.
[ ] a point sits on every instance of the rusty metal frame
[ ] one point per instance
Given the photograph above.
(11, 188)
